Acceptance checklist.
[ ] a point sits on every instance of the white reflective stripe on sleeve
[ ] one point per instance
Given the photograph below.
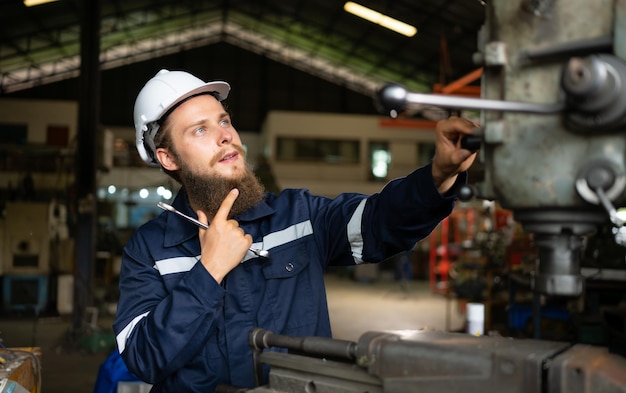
(125, 333)
(175, 265)
(355, 236)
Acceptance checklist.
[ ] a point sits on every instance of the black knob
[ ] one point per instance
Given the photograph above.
(391, 99)
(471, 142)
(465, 192)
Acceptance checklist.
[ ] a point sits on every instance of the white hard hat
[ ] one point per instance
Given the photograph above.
(160, 94)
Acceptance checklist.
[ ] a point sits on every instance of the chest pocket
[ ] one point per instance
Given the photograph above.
(292, 288)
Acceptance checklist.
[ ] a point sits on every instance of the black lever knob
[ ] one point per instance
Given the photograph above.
(391, 99)
(471, 142)
(465, 192)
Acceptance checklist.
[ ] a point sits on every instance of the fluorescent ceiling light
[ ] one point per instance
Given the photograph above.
(31, 3)
(380, 19)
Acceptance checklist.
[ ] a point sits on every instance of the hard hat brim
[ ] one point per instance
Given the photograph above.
(221, 88)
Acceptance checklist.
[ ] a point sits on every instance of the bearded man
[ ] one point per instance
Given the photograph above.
(189, 296)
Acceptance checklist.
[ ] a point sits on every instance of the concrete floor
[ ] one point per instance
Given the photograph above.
(355, 308)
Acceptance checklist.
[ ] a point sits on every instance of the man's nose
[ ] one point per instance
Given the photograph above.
(225, 137)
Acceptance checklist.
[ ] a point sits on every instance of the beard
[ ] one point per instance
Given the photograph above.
(207, 193)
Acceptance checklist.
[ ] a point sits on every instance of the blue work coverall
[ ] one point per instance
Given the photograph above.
(181, 331)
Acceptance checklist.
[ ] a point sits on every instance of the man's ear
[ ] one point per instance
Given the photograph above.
(167, 160)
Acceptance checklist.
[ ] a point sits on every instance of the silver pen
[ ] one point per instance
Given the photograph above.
(165, 206)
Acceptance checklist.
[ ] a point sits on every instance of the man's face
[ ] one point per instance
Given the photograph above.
(205, 140)
(207, 152)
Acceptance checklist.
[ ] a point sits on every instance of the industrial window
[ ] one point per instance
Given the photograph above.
(334, 151)
(380, 158)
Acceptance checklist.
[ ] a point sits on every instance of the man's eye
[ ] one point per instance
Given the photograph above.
(224, 123)
(199, 130)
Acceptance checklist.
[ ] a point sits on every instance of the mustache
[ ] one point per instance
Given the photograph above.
(216, 158)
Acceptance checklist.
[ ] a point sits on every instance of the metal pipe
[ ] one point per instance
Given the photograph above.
(327, 347)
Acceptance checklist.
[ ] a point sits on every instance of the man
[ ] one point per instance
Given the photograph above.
(190, 296)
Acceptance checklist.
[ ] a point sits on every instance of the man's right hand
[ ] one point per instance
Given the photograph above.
(450, 158)
(224, 243)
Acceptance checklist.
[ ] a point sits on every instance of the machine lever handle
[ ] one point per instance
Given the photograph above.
(471, 142)
(608, 206)
(394, 98)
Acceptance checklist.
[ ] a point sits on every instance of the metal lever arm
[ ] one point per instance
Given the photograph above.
(608, 206)
(394, 99)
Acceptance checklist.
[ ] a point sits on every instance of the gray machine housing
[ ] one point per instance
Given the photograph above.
(553, 117)
(426, 361)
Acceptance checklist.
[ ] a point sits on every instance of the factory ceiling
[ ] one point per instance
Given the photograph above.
(40, 46)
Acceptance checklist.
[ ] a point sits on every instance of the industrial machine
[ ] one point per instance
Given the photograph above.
(432, 362)
(553, 145)
(553, 117)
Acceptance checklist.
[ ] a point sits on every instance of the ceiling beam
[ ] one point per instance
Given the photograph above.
(146, 35)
